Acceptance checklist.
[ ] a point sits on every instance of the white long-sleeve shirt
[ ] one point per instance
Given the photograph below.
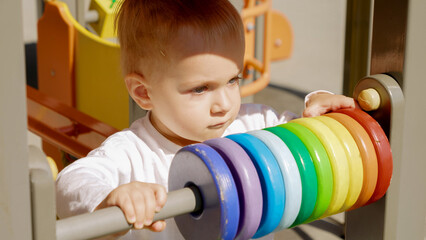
(139, 153)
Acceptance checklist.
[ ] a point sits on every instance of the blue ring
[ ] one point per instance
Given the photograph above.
(225, 185)
(271, 180)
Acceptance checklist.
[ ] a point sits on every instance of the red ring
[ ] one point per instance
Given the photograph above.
(382, 147)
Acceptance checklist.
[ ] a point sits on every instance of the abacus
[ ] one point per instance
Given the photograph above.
(251, 184)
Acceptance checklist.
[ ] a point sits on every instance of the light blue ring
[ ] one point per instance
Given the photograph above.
(270, 178)
(291, 175)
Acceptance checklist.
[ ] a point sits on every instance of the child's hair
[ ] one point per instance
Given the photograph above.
(147, 28)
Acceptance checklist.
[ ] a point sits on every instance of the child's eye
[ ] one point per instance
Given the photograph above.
(235, 80)
(199, 89)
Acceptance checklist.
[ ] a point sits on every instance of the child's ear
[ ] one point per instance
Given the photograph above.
(137, 86)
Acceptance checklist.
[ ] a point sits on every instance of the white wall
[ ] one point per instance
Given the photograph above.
(29, 17)
(318, 51)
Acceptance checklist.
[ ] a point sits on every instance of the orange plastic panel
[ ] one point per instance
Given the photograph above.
(281, 40)
(55, 54)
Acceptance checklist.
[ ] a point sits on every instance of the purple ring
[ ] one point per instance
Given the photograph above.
(247, 182)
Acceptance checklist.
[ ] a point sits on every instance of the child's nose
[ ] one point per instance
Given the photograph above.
(222, 102)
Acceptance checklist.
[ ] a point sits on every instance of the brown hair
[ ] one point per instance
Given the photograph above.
(147, 28)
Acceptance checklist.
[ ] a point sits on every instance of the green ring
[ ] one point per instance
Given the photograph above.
(306, 170)
(322, 167)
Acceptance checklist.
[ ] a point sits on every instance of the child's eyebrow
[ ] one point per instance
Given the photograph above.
(207, 80)
(203, 82)
(194, 83)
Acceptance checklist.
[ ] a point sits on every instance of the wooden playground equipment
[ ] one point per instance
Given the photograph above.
(27, 189)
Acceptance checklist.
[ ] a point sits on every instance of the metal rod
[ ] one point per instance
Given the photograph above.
(111, 220)
(43, 204)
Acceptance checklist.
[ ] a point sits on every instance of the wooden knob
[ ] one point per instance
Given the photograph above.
(369, 99)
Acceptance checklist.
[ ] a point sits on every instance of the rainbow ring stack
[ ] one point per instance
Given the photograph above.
(259, 182)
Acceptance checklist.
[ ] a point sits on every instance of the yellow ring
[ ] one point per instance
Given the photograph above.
(338, 161)
(53, 167)
(356, 171)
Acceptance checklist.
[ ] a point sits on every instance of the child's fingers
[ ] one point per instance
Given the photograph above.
(344, 102)
(313, 111)
(157, 226)
(330, 103)
(126, 205)
(307, 112)
(149, 207)
(160, 197)
(138, 202)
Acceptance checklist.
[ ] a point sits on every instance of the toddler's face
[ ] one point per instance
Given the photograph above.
(198, 97)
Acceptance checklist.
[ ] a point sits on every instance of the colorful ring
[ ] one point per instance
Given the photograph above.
(247, 183)
(382, 147)
(292, 182)
(338, 161)
(213, 178)
(356, 171)
(368, 156)
(270, 178)
(322, 167)
(306, 170)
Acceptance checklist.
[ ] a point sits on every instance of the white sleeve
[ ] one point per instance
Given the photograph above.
(257, 116)
(84, 184)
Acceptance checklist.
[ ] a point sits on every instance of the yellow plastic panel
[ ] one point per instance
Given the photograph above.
(100, 88)
(105, 24)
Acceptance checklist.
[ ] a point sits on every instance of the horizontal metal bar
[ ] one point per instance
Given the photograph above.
(112, 220)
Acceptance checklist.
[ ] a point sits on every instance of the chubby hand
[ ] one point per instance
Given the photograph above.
(139, 202)
(322, 102)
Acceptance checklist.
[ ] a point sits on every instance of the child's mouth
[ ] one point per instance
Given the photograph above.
(217, 126)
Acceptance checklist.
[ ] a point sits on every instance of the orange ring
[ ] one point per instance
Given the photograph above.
(368, 156)
(382, 147)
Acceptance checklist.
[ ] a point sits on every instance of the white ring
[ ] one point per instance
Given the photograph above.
(290, 172)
